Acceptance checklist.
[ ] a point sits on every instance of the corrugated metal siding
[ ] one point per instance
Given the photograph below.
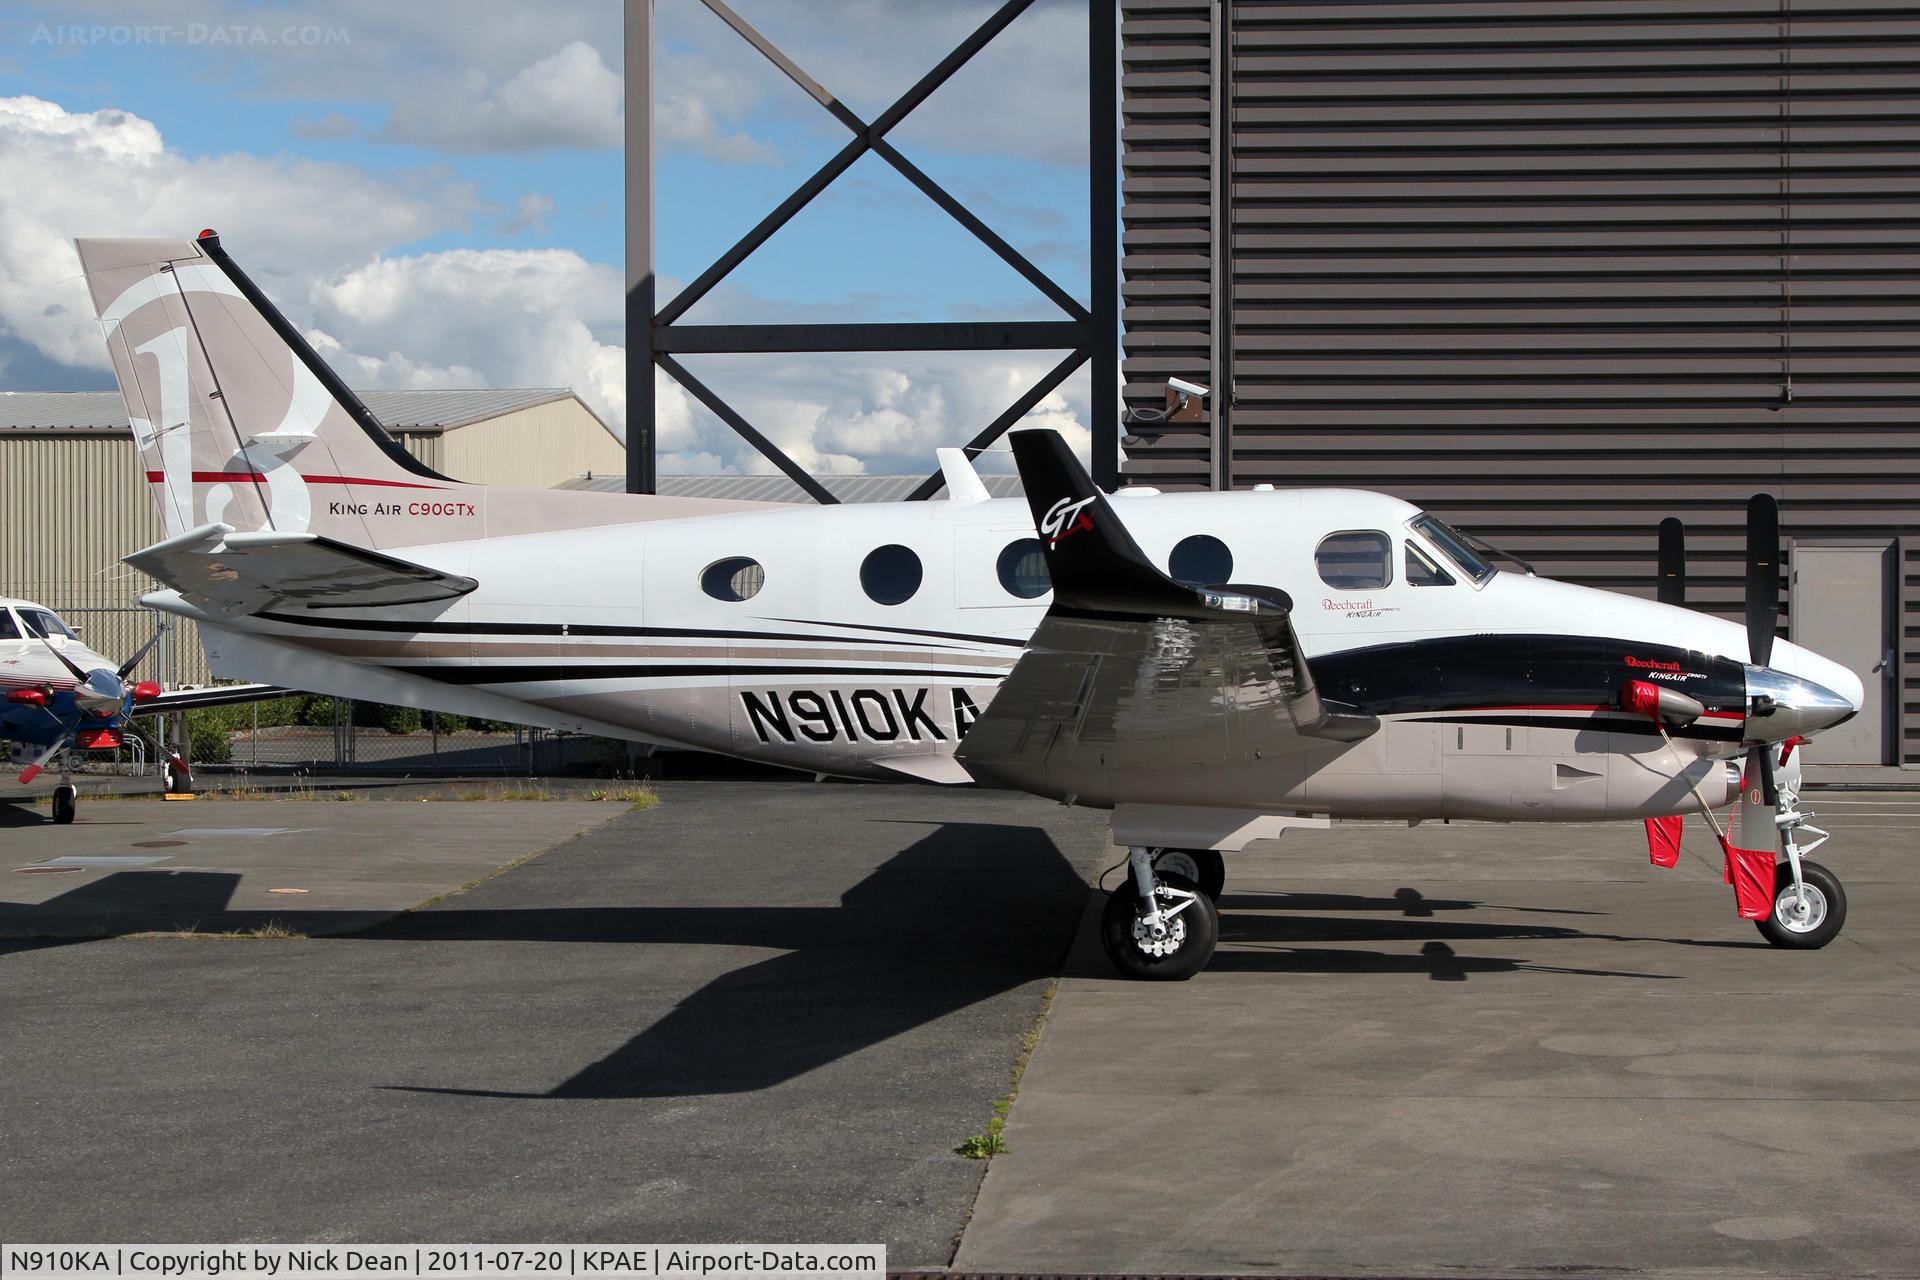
(69, 509)
(1552, 268)
(536, 447)
(427, 446)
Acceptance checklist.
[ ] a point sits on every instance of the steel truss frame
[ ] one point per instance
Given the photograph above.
(1091, 334)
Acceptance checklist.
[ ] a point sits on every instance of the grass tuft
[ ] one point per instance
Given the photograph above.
(991, 1143)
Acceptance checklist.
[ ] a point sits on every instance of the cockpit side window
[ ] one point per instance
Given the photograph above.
(1423, 572)
(43, 624)
(1453, 545)
(9, 629)
(1355, 560)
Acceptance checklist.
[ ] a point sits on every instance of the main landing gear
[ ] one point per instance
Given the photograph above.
(1159, 924)
(1204, 867)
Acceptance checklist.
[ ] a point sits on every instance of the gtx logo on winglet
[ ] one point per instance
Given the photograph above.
(1066, 518)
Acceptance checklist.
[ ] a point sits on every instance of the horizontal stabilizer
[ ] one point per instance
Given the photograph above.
(233, 573)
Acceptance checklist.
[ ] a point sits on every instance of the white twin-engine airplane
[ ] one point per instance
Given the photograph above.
(1385, 668)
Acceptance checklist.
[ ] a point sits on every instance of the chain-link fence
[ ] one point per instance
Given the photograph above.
(319, 734)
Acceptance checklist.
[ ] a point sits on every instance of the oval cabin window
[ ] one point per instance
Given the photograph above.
(1023, 569)
(1200, 560)
(733, 579)
(890, 574)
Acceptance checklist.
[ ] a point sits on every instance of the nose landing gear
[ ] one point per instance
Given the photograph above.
(1809, 906)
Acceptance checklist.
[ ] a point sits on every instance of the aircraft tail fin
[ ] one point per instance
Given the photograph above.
(238, 420)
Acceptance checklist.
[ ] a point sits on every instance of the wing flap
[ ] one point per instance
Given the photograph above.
(231, 573)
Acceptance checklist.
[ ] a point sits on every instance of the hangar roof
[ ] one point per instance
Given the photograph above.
(780, 489)
(421, 412)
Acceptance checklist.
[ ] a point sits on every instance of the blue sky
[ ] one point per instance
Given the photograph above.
(457, 140)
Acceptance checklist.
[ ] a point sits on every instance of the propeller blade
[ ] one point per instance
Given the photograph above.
(32, 771)
(1673, 562)
(1760, 763)
(1763, 576)
(78, 675)
(126, 668)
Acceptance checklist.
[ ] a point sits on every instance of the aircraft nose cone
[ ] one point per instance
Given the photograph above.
(1781, 705)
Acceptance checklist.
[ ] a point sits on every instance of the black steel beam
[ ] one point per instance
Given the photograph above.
(641, 287)
(771, 52)
(746, 430)
(763, 230)
(1017, 410)
(943, 71)
(981, 231)
(1103, 221)
(968, 335)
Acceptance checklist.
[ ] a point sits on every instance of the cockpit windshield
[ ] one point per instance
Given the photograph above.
(41, 624)
(1454, 545)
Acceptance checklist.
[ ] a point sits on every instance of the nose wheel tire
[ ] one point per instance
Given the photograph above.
(1809, 926)
(1204, 867)
(1189, 930)
(66, 803)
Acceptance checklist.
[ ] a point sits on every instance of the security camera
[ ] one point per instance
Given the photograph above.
(1186, 388)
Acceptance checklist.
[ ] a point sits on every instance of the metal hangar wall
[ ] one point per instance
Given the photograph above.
(1554, 269)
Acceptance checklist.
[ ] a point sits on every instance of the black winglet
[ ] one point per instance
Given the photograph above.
(1094, 562)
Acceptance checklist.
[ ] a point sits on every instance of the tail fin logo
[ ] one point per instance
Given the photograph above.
(1066, 518)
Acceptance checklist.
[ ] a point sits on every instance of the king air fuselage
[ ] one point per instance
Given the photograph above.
(1497, 691)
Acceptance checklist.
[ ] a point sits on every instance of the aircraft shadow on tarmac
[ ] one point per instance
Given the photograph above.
(964, 914)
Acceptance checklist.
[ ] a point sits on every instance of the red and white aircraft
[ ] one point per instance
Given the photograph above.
(1213, 667)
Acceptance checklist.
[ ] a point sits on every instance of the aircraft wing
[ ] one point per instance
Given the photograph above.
(239, 573)
(1130, 669)
(215, 695)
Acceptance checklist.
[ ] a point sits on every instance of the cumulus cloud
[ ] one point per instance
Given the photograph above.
(867, 413)
(479, 317)
(328, 243)
(698, 104)
(568, 99)
(108, 173)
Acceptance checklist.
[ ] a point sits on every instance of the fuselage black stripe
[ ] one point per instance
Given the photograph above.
(910, 631)
(558, 673)
(1597, 721)
(577, 629)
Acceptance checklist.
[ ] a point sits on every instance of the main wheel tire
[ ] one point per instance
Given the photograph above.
(1185, 951)
(1788, 926)
(66, 803)
(1205, 867)
(174, 777)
